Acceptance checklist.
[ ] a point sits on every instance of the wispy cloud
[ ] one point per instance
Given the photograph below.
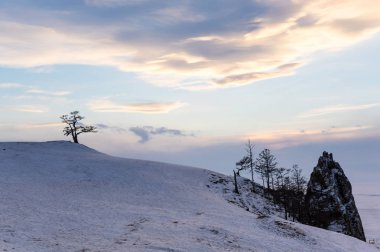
(338, 108)
(142, 133)
(30, 109)
(21, 127)
(145, 133)
(42, 125)
(113, 3)
(26, 91)
(184, 43)
(10, 85)
(286, 138)
(175, 14)
(41, 69)
(102, 126)
(47, 93)
(107, 105)
(246, 78)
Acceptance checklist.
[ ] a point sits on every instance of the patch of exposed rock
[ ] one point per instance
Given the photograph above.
(329, 200)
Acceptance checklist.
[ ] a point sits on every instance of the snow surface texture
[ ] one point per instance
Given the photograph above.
(59, 196)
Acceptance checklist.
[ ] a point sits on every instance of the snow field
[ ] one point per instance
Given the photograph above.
(59, 196)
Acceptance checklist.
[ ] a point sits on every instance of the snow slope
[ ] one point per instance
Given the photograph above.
(59, 196)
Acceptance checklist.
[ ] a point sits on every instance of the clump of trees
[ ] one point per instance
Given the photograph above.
(284, 186)
(289, 191)
(74, 126)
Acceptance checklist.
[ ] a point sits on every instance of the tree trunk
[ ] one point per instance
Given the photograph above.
(75, 135)
(253, 183)
(286, 211)
(75, 138)
(271, 178)
(236, 186)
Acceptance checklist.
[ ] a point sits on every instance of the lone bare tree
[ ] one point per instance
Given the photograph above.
(74, 126)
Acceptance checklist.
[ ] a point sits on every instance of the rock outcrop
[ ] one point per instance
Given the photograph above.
(329, 200)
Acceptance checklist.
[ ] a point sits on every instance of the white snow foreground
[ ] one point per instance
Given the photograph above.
(59, 196)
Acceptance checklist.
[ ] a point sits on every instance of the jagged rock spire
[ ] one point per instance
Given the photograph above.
(329, 200)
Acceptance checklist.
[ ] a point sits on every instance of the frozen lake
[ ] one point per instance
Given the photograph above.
(369, 209)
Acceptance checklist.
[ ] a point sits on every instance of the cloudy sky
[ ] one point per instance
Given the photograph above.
(190, 81)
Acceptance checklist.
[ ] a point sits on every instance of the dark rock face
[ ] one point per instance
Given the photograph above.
(329, 200)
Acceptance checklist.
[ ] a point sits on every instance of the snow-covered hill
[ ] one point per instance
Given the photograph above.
(59, 196)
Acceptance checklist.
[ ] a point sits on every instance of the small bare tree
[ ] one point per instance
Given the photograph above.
(298, 179)
(251, 164)
(299, 188)
(247, 163)
(74, 127)
(242, 165)
(266, 165)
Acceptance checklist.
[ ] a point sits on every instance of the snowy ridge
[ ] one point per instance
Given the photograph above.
(59, 196)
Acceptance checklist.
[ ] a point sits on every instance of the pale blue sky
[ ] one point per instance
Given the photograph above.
(190, 81)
